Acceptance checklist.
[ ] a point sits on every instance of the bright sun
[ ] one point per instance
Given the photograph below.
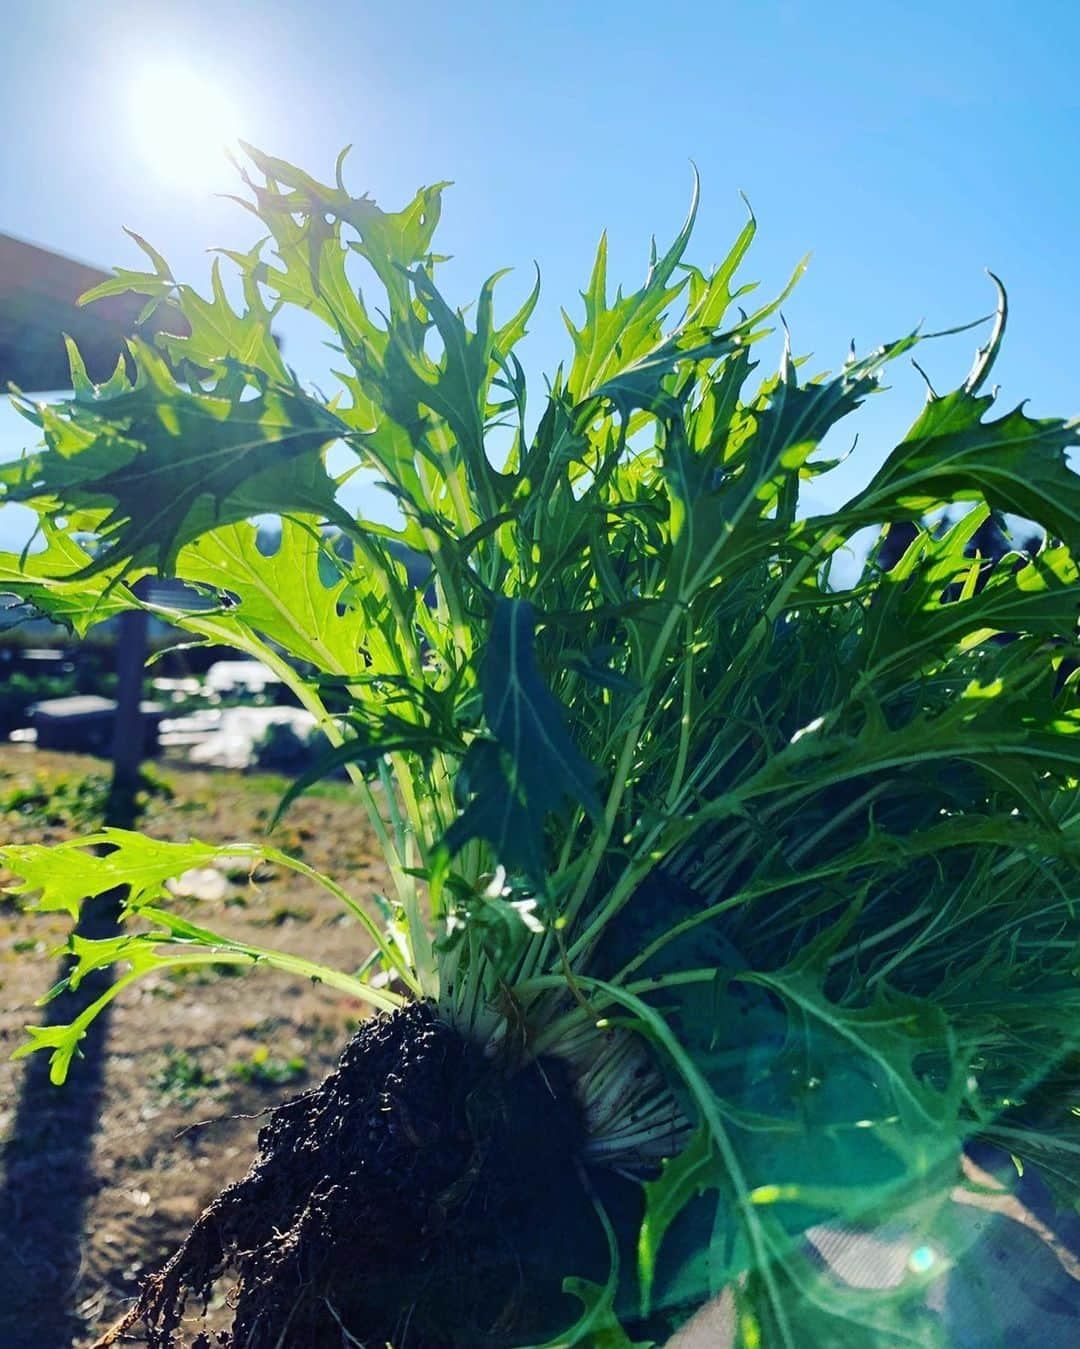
(182, 122)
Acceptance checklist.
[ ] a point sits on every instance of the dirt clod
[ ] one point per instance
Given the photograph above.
(418, 1196)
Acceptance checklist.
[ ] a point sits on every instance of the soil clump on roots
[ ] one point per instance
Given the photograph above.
(419, 1196)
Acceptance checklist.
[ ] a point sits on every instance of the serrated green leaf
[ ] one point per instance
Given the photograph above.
(723, 498)
(165, 464)
(1015, 463)
(888, 1036)
(614, 336)
(281, 595)
(44, 579)
(65, 875)
(219, 335)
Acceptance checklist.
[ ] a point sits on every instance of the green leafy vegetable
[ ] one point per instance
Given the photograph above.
(782, 865)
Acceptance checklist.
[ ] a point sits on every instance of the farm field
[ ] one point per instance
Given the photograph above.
(96, 1186)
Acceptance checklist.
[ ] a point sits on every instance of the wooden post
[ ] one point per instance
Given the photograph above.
(129, 730)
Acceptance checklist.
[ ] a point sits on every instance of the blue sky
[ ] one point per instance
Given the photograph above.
(908, 146)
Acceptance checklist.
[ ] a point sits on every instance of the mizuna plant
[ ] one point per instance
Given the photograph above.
(766, 879)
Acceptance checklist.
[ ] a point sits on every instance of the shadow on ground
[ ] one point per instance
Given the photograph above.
(47, 1159)
(49, 1176)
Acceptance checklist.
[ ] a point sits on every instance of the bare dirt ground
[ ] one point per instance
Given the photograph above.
(96, 1186)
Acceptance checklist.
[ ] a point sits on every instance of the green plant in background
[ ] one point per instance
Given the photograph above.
(264, 1069)
(75, 800)
(62, 799)
(782, 867)
(182, 1076)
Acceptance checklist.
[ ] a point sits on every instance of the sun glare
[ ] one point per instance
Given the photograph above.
(183, 122)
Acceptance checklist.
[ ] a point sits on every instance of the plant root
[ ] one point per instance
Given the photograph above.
(417, 1196)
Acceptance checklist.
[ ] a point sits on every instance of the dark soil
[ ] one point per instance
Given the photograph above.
(418, 1196)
